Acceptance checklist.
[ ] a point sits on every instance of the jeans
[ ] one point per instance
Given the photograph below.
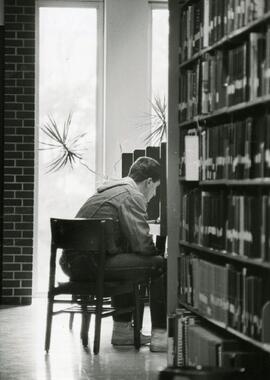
(142, 268)
(128, 266)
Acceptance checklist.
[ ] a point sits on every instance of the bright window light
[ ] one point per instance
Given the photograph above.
(67, 85)
(160, 34)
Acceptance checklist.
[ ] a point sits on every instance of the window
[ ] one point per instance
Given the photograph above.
(67, 87)
(160, 33)
(160, 59)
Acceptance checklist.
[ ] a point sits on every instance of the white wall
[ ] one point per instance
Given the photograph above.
(127, 77)
(1, 12)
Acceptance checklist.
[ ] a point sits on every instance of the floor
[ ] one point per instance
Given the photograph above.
(22, 356)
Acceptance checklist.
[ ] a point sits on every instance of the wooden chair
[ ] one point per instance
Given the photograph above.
(90, 296)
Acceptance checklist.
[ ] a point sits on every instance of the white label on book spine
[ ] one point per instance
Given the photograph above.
(192, 158)
(206, 24)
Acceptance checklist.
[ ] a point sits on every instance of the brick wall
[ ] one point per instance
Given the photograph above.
(19, 122)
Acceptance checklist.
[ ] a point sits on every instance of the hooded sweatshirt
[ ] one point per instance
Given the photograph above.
(122, 201)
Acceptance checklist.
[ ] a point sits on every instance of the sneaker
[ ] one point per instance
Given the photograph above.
(158, 340)
(123, 335)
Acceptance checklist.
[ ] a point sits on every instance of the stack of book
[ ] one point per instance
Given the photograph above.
(224, 294)
(228, 151)
(237, 224)
(207, 21)
(234, 151)
(202, 219)
(225, 78)
(196, 345)
(189, 104)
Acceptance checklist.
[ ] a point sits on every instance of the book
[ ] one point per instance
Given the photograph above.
(191, 158)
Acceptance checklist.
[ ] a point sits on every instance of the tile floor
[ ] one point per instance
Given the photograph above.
(22, 356)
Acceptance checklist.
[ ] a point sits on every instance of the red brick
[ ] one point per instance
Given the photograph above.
(12, 250)
(13, 202)
(11, 300)
(8, 259)
(12, 217)
(23, 275)
(29, 10)
(25, 300)
(29, 90)
(8, 275)
(13, 26)
(22, 292)
(13, 42)
(13, 234)
(23, 242)
(24, 210)
(8, 242)
(28, 26)
(25, 18)
(23, 226)
(7, 292)
(28, 202)
(23, 259)
(14, 58)
(28, 234)
(27, 251)
(12, 10)
(11, 283)
(11, 267)
(27, 283)
(27, 267)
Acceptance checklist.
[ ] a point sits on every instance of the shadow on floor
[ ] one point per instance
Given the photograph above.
(22, 356)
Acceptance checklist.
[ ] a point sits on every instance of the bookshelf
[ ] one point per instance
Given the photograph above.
(263, 346)
(1, 138)
(224, 255)
(219, 195)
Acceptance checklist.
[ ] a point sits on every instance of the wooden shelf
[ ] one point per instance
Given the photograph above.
(230, 38)
(226, 111)
(255, 187)
(226, 255)
(230, 182)
(190, 61)
(262, 346)
(183, 179)
(237, 182)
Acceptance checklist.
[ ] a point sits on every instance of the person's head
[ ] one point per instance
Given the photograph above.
(145, 171)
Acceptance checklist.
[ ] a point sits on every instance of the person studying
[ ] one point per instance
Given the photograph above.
(125, 201)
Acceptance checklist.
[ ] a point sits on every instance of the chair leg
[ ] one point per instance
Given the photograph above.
(137, 318)
(142, 293)
(71, 319)
(85, 322)
(49, 324)
(71, 316)
(99, 304)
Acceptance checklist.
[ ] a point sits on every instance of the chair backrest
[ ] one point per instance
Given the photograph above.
(83, 234)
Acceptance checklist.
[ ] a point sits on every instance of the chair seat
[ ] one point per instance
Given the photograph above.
(89, 287)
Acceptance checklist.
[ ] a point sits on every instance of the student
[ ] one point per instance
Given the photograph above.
(125, 201)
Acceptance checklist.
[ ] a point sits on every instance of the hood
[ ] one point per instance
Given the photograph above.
(126, 181)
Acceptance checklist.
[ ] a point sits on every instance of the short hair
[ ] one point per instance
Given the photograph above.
(143, 168)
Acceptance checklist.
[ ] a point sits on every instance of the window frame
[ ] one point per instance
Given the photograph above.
(99, 6)
(153, 5)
